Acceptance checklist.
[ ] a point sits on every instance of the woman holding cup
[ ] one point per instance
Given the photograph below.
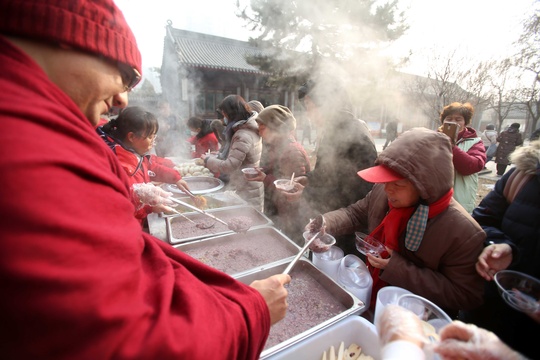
(431, 240)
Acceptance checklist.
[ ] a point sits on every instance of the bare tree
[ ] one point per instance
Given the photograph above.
(528, 59)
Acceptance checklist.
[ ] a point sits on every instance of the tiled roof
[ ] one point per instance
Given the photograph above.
(213, 52)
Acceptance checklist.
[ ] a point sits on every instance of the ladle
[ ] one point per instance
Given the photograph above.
(297, 257)
(198, 210)
(200, 225)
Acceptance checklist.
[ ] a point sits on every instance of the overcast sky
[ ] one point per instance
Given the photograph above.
(481, 28)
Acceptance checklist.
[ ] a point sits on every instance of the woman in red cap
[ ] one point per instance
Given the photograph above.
(432, 241)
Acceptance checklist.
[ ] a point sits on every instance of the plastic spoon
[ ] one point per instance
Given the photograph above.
(292, 179)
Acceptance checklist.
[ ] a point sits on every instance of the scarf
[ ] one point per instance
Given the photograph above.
(411, 220)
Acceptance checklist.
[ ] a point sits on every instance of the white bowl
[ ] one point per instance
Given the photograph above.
(250, 173)
(519, 290)
(284, 185)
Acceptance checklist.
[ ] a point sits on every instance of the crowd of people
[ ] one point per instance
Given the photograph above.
(80, 277)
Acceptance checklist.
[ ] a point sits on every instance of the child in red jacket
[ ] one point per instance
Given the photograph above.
(203, 137)
(131, 136)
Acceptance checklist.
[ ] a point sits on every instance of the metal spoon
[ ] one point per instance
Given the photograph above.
(200, 225)
(297, 257)
(198, 210)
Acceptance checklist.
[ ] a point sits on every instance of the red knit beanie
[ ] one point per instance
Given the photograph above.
(95, 26)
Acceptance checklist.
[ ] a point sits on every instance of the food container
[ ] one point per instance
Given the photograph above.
(315, 302)
(250, 173)
(216, 200)
(197, 185)
(180, 230)
(433, 317)
(354, 276)
(352, 329)
(520, 291)
(284, 185)
(328, 261)
(367, 244)
(236, 253)
(386, 296)
(322, 244)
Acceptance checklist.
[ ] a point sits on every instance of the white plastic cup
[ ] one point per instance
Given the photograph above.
(386, 296)
(354, 276)
(328, 261)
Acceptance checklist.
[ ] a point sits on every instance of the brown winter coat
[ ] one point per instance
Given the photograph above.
(443, 268)
(245, 151)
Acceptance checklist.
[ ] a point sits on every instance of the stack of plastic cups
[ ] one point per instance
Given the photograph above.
(354, 276)
(328, 261)
(386, 296)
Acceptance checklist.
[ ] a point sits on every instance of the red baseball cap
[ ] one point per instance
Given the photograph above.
(379, 174)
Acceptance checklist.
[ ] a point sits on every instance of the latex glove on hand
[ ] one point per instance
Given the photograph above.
(466, 341)
(149, 194)
(397, 323)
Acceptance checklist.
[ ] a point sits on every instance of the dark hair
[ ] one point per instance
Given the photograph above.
(515, 125)
(235, 107)
(195, 122)
(133, 119)
(490, 127)
(466, 110)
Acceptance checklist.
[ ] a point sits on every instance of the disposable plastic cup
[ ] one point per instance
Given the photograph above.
(386, 296)
(328, 261)
(354, 276)
(427, 311)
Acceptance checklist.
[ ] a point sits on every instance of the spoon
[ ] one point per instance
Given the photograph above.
(297, 257)
(200, 225)
(198, 210)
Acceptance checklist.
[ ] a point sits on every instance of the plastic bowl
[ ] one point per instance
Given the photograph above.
(322, 244)
(519, 290)
(434, 317)
(250, 173)
(367, 244)
(284, 185)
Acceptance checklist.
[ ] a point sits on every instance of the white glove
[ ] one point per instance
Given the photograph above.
(149, 194)
(467, 341)
(397, 323)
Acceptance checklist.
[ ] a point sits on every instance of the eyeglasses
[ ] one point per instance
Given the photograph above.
(130, 76)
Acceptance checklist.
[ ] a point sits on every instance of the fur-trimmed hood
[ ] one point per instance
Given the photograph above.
(527, 158)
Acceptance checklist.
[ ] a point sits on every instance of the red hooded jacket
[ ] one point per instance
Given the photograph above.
(79, 278)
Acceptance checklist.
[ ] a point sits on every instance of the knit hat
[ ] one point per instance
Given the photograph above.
(277, 117)
(94, 26)
(256, 105)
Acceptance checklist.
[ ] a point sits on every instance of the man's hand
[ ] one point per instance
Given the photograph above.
(493, 258)
(274, 293)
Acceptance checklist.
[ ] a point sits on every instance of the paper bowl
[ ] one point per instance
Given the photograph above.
(250, 173)
(519, 290)
(284, 185)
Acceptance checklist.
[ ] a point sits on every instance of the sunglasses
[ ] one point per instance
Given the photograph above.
(130, 76)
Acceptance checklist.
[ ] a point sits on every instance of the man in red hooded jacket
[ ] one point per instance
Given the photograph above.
(79, 278)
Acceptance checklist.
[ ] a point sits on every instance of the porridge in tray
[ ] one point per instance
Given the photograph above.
(183, 229)
(309, 305)
(241, 252)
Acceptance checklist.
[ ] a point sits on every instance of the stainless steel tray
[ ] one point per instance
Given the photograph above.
(235, 254)
(197, 185)
(350, 304)
(213, 201)
(180, 230)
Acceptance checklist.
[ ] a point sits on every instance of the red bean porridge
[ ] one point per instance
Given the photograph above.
(241, 252)
(310, 304)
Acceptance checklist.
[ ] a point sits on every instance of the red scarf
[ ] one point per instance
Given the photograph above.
(393, 226)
